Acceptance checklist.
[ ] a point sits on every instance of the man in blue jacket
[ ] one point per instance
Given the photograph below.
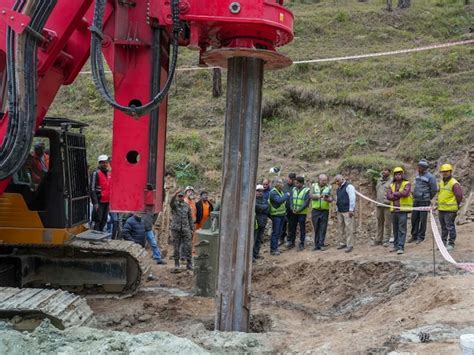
(134, 230)
(426, 187)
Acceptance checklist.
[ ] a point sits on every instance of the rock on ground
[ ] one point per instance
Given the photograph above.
(78, 340)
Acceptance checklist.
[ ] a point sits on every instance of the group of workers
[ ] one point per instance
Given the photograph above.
(288, 204)
(187, 216)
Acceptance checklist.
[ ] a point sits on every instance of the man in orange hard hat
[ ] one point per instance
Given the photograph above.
(449, 201)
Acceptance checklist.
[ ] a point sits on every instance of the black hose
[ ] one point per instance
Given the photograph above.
(22, 81)
(97, 64)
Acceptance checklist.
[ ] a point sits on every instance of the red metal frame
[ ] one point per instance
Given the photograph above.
(258, 24)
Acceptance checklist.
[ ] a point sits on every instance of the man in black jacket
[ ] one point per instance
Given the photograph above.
(134, 230)
(261, 214)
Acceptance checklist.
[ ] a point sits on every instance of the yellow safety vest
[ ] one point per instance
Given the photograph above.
(406, 203)
(280, 210)
(446, 198)
(321, 204)
(298, 199)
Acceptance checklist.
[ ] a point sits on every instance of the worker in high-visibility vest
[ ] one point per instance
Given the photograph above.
(321, 199)
(277, 201)
(299, 205)
(449, 200)
(401, 200)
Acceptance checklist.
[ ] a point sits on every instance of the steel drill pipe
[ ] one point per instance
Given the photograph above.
(240, 162)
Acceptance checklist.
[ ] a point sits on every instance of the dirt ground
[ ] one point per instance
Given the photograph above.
(368, 301)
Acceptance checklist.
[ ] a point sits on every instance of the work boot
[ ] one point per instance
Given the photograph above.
(349, 249)
(189, 265)
(161, 262)
(386, 244)
(412, 240)
(290, 245)
(450, 247)
(342, 246)
(275, 252)
(301, 247)
(399, 251)
(420, 241)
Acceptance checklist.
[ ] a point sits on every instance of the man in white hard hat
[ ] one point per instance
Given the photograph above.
(100, 193)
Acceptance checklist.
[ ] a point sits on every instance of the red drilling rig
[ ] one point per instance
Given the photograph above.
(44, 44)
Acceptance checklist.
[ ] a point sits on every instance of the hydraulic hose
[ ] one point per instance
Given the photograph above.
(21, 88)
(97, 64)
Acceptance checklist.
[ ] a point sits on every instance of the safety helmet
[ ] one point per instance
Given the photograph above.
(398, 169)
(446, 167)
(188, 188)
(102, 157)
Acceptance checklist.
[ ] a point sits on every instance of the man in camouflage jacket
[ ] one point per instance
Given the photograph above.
(182, 227)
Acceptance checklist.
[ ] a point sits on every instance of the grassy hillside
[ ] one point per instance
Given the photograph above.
(332, 115)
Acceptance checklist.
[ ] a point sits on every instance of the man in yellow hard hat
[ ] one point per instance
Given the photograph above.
(449, 200)
(401, 200)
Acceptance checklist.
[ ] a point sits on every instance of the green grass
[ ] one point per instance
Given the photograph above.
(357, 114)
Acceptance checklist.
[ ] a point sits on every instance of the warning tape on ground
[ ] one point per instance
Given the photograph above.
(436, 234)
(348, 57)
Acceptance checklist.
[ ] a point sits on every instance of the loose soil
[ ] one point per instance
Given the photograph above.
(367, 301)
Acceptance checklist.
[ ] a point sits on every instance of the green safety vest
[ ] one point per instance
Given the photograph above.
(321, 204)
(298, 199)
(280, 210)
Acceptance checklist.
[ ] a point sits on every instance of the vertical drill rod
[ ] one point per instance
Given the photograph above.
(240, 161)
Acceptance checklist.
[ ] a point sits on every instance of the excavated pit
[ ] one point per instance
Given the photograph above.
(328, 290)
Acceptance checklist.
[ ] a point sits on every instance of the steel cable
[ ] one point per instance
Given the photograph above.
(22, 81)
(97, 65)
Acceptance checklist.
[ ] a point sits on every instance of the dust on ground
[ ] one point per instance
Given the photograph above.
(368, 301)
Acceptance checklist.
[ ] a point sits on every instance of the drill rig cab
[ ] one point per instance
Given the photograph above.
(53, 183)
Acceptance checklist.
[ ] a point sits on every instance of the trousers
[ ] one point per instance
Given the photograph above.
(277, 228)
(320, 224)
(99, 216)
(258, 239)
(346, 229)
(295, 221)
(448, 228)
(384, 225)
(419, 221)
(150, 237)
(399, 220)
(182, 242)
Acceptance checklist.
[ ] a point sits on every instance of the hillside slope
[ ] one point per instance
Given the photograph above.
(331, 115)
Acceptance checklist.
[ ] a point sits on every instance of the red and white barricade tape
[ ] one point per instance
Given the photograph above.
(437, 235)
